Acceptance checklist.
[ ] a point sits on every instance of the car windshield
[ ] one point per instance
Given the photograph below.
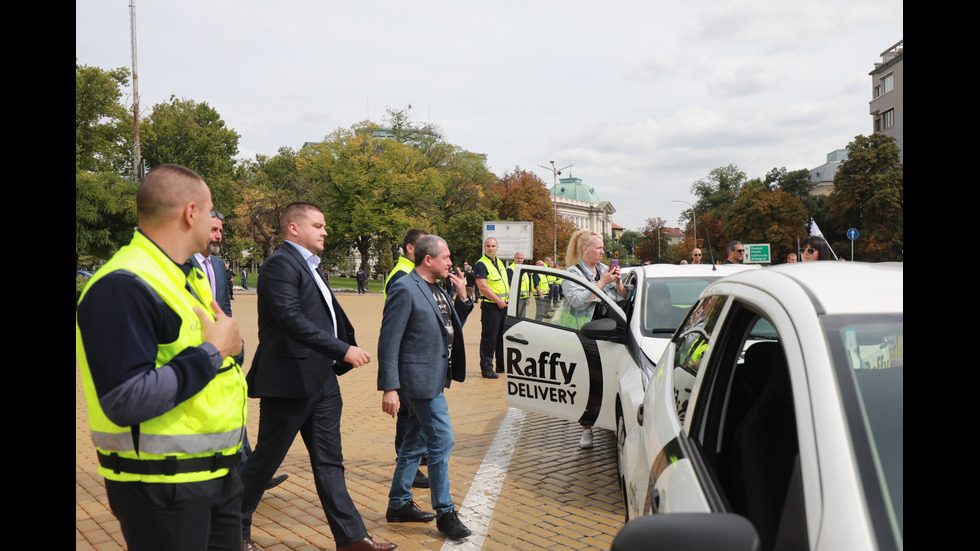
(667, 299)
(869, 361)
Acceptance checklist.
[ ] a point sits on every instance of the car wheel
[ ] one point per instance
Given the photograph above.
(621, 459)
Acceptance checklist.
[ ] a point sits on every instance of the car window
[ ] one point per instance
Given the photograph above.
(869, 360)
(560, 314)
(667, 299)
(630, 303)
(691, 345)
(745, 424)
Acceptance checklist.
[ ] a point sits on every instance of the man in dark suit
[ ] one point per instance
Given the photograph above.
(305, 340)
(208, 262)
(420, 351)
(216, 270)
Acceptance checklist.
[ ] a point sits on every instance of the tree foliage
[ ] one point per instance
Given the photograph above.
(102, 142)
(192, 134)
(655, 239)
(105, 213)
(263, 188)
(719, 190)
(762, 215)
(374, 190)
(869, 195)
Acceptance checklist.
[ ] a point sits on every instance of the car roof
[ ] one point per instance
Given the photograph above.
(832, 287)
(695, 270)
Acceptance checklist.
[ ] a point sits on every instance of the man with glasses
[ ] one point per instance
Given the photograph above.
(696, 256)
(735, 253)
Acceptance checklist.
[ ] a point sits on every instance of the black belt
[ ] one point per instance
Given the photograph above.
(170, 465)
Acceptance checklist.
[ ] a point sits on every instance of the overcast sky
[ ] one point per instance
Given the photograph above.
(642, 97)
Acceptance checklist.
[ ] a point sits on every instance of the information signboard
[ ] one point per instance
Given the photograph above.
(511, 237)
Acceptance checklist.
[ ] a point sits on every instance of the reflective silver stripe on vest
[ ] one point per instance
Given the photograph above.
(168, 444)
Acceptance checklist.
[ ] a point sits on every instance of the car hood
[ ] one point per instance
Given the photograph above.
(654, 347)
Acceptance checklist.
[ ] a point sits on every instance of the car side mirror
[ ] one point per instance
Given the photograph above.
(685, 531)
(602, 329)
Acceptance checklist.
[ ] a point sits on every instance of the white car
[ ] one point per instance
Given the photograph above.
(779, 400)
(594, 375)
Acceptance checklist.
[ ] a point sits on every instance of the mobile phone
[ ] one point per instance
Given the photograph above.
(614, 263)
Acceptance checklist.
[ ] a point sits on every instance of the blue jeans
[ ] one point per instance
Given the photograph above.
(431, 419)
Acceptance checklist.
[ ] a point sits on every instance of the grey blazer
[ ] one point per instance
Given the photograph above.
(413, 350)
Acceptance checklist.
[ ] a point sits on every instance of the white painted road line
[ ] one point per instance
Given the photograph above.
(477, 508)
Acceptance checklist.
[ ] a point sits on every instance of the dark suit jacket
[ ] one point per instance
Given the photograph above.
(221, 292)
(413, 351)
(297, 350)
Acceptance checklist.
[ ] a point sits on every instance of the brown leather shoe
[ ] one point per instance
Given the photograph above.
(368, 544)
(249, 545)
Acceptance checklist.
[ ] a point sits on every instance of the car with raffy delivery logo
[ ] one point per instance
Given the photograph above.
(593, 375)
(779, 401)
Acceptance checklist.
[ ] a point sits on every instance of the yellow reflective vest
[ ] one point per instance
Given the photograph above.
(525, 290)
(205, 431)
(403, 265)
(496, 277)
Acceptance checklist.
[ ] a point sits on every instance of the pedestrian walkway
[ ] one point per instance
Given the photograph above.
(550, 494)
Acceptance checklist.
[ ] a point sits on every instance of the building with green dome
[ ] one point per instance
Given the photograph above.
(580, 205)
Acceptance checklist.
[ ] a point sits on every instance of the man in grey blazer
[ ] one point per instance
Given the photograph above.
(420, 352)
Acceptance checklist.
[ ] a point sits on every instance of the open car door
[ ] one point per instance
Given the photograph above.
(560, 362)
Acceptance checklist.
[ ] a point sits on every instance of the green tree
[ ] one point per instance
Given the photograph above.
(762, 215)
(375, 189)
(263, 188)
(718, 191)
(465, 204)
(105, 214)
(103, 135)
(869, 195)
(192, 134)
(424, 138)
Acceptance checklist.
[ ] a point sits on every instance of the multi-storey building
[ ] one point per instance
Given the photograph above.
(888, 96)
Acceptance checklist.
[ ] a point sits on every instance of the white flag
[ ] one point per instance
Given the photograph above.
(814, 230)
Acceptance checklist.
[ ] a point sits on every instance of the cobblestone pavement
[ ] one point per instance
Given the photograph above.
(551, 495)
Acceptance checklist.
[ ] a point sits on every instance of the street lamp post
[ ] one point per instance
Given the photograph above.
(554, 199)
(695, 214)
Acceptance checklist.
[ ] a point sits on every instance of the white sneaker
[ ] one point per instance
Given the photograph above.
(586, 441)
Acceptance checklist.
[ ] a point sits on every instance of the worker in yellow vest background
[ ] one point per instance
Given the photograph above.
(491, 280)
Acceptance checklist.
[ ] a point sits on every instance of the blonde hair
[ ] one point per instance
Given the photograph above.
(580, 240)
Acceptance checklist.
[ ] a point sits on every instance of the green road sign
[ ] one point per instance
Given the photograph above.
(757, 253)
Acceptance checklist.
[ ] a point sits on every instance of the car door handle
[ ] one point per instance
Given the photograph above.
(655, 500)
(639, 415)
(517, 338)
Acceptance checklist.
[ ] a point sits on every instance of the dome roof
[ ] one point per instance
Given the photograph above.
(573, 188)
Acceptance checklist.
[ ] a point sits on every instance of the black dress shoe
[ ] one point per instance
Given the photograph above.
(450, 525)
(421, 481)
(409, 512)
(368, 544)
(490, 375)
(275, 481)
